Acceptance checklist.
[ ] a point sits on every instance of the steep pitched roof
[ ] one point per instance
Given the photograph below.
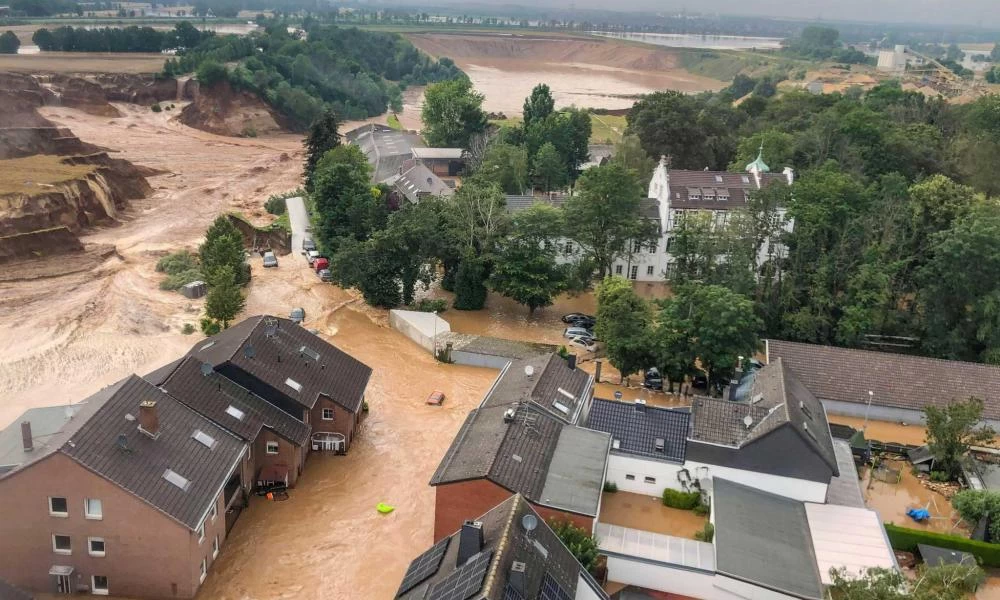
(416, 181)
(764, 539)
(516, 448)
(688, 189)
(778, 399)
(547, 566)
(111, 445)
(283, 355)
(553, 386)
(213, 394)
(640, 430)
(897, 380)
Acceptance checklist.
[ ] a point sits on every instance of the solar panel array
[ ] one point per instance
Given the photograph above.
(423, 566)
(465, 581)
(551, 590)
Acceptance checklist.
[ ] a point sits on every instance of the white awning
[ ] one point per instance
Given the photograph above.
(60, 570)
(848, 537)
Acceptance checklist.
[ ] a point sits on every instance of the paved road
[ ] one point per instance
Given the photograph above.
(299, 219)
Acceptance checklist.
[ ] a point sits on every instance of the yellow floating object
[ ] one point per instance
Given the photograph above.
(384, 508)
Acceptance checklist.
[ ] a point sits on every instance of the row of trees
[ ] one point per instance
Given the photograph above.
(545, 151)
(895, 227)
(356, 73)
(815, 42)
(119, 39)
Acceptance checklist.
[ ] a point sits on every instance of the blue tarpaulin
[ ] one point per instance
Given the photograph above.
(918, 514)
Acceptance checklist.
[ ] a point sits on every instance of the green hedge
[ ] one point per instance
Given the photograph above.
(681, 500)
(903, 538)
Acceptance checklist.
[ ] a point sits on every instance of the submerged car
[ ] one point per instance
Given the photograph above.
(270, 260)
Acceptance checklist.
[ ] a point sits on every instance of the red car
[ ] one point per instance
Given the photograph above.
(321, 263)
(436, 398)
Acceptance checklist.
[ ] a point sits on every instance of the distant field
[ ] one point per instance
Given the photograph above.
(603, 128)
(33, 175)
(82, 62)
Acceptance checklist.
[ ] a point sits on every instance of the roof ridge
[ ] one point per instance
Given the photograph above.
(915, 357)
(501, 546)
(259, 318)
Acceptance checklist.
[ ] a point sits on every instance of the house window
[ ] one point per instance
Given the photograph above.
(215, 510)
(61, 544)
(93, 509)
(745, 178)
(204, 570)
(215, 547)
(569, 247)
(649, 270)
(272, 447)
(201, 533)
(650, 479)
(636, 247)
(99, 585)
(95, 546)
(635, 272)
(618, 269)
(630, 477)
(718, 179)
(670, 242)
(327, 414)
(58, 507)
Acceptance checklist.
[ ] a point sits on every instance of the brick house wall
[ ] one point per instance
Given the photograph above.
(455, 503)
(344, 422)
(288, 455)
(147, 554)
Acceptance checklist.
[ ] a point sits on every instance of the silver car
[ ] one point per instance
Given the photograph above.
(270, 260)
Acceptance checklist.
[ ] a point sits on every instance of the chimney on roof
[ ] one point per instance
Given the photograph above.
(640, 405)
(734, 383)
(571, 361)
(470, 541)
(516, 577)
(149, 419)
(29, 445)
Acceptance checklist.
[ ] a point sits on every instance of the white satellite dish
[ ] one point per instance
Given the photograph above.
(529, 522)
(748, 421)
(529, 370)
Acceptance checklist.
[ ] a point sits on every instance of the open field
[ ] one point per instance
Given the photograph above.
(36, 174)
(82, 62)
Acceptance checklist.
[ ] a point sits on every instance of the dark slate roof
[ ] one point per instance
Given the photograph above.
(548, 564)
(141, 467)
(160, 375)
(898, 380)
(686, 185)
(636, 428)
(210, 395)
(551, 373)
(517, 452)
(416, 181)
(9, 592)
(764, 539)
(777, 400)
(273, 357)
(936, 556)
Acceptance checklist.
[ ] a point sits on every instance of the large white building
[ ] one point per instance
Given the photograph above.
(673, 196)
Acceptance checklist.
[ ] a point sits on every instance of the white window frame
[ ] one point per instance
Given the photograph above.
(90, 549)
(98, 516)
(201, 533)
(57, 550)
(269, 445)
(215, 510)
(649, 480)
(323, 414)
(93, 585)
(56, 513)
(204, 570)
(215, 547)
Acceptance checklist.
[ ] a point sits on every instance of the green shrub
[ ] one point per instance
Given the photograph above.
(155, 108)
(903, 538)
(579, 541)
(610, 486)
(249, 132)
(682, 500)
(563, 352)
(275, 205)
(939, 476)
(701, 510)
(210, 326)
(169, 107)
(179, 280)
(707, 533)
(188, 329)
(429, 305)
(172, 264)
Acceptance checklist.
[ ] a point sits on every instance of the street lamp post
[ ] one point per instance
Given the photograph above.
(871, 395)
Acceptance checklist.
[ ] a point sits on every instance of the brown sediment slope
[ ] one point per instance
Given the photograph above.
(224, 111)
(581, 71)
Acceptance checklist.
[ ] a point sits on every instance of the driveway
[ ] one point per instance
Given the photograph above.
(299, 218)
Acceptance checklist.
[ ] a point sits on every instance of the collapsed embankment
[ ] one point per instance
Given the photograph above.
(221, 110)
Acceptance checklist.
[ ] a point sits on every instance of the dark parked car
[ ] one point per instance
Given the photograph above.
(308, 244)
(653, 380)
(576, 316)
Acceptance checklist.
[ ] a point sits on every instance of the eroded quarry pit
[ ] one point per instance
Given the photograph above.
(586, 72)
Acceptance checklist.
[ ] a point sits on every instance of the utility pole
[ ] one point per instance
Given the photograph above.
(871, 395)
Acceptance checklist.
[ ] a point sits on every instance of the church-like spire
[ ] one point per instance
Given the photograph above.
(758, 165)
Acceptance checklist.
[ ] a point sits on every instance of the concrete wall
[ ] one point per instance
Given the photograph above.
(875, 413)
(686, 582)
(475, 359)
(148, 554)
(418, 326)
(584, 591)
(620, 465)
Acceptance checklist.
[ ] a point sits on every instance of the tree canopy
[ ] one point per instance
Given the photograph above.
(452, 113)
(9, 43)
(952, 430)
(323, 137)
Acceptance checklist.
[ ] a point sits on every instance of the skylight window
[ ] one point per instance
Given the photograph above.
(718, 179)
(306, 350)
(235, 413)
(295, 385)
(205, 439)
(177, 479)
(560, 407)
